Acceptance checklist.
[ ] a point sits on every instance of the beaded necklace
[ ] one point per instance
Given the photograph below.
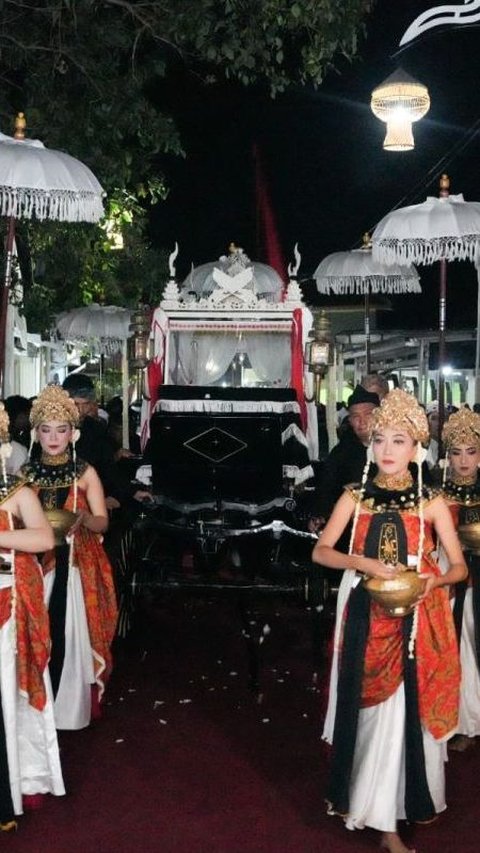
(378, 499)
(462, 493)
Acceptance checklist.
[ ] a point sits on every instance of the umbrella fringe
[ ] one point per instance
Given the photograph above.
(352, 286)
(60, 205)
(426, 252)
(104, 346)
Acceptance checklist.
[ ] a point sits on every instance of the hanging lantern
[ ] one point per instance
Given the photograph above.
(139, 343)
(319, 352)
(399, 101)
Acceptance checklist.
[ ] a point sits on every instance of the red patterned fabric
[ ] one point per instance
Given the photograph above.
(98, 591)
(31, 623)
(436, 650)
(454, 512)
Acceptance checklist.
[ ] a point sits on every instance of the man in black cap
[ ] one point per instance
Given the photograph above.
(95, 447)
(345, 463)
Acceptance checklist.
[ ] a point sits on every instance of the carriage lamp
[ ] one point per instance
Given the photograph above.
(140, 332)
(319, 352)
(399, 101)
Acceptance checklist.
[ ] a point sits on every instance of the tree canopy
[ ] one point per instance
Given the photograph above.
(85, 73)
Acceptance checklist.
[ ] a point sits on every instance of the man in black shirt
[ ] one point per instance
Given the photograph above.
(345, 463)
(95, 447)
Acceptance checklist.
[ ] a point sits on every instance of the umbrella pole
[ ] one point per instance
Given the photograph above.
(102, 379)
(444, 193)
(367, 333)
(125, 401)
(477, 348)
(4, 292)
(442, 351)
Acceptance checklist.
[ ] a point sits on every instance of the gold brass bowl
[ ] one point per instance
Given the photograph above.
(469, 535)
(399, 594)
(61, 521)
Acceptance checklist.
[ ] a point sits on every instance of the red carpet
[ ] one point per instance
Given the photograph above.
(185, 761)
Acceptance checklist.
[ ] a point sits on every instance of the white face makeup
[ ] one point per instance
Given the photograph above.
(464, 459)
(54, 437)
(393, 450)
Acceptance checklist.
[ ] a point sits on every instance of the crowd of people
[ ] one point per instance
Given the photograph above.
(59, 478)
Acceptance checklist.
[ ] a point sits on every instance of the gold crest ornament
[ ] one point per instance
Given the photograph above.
(463, 427)
(400, 409)
(4, 424)
(5, 446)
(54, 404)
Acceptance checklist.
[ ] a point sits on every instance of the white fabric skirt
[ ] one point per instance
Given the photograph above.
(72, 703)
(378, 777)
(377, 787)
(469, 710)
(32, 746)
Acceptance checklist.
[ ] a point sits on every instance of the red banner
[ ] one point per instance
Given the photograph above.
(268, 241)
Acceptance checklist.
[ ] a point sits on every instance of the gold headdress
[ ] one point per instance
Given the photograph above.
(463, 427)
(5, 446)
(398, 408)
(4, 424)
(54, 404)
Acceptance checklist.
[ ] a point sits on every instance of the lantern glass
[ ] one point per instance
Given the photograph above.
(319, 354)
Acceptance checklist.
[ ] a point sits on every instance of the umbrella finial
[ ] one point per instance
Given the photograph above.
(20, 125)
(444, 186)
(367, 240)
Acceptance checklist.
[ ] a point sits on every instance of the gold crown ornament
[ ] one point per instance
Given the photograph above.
(463, 427)
(54, 404)
(400, 409)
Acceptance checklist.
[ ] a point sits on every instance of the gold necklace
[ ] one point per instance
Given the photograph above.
(394, 482)
(58, 459)
(457, 480)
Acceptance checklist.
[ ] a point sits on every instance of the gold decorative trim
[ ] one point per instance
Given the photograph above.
(394, 482)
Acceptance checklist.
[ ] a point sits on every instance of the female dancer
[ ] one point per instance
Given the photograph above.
(396, 679)
(461, 439)
(80, 589)
(29, 759)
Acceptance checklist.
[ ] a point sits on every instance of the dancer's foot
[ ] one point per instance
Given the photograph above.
(392, 842)
(8, 826)
(460, 743)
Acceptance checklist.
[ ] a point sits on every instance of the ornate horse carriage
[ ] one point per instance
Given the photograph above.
(228, 432)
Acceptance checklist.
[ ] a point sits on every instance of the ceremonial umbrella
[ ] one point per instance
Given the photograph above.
(356, 273)
(105, 329)
(40, 183)
(440, 229)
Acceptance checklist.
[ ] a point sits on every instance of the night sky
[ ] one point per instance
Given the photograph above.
(328, 176)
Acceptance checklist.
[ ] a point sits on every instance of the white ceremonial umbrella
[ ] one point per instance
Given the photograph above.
(440, 229)
(357, 273)
(105, 328)
(40, 183)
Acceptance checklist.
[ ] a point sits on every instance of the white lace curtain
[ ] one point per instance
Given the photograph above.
(202, 359)
(270, 358)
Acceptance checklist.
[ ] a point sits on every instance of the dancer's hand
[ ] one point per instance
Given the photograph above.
(376, 568)
(80, 520)
(431, 582)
